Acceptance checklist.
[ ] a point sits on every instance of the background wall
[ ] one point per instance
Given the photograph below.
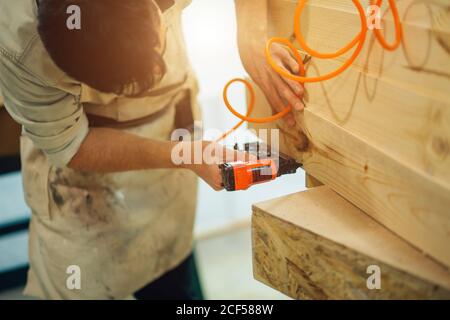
(210, 31)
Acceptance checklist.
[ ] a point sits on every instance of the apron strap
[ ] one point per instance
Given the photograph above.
(96, 121)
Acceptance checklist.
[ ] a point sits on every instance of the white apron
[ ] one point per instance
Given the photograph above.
(121, 230)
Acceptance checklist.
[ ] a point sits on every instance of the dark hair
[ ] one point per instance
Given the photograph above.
(116, 49)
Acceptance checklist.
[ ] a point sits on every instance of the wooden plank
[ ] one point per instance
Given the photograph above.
(423, 58)
(413, 128)
(376, 138)
(316, 245)
(409, 201)
(410, 117)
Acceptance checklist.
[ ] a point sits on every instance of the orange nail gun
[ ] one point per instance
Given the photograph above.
(269, 165)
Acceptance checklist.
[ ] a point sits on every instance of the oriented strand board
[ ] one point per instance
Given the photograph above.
(379, 134)
(386, 98)
(317, 245)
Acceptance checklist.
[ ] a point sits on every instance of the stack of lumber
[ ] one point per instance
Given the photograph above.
(315, 244)
(379, 136)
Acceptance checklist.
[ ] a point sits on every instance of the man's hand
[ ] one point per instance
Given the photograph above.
(278, 90)
(107, 150)
(252, 37)
(210, 173)
(209, 170)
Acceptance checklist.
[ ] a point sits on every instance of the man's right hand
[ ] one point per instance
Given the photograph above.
(209, 170)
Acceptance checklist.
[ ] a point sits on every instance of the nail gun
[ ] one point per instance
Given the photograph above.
(269, 165)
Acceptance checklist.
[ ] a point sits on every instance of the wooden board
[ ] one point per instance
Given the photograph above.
(409, 202)
(379, 134)
(317, 245)
(422, 62)
(411, 115)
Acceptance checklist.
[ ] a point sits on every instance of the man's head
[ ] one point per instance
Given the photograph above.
(118, 48)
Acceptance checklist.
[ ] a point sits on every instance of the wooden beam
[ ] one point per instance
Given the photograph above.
(386, 98)
(409, 201)
(316, 245)
(379, 134)
(421, 64)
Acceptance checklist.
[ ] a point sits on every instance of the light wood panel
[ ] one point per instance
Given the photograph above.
(421, 64)
(379, 138)
(316, 245)
(408, 201)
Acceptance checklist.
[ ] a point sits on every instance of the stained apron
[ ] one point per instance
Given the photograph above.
(122, 230)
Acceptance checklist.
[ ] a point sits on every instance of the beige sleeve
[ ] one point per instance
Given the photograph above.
(52, 118)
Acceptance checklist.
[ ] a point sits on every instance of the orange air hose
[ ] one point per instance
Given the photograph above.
(358, 41)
